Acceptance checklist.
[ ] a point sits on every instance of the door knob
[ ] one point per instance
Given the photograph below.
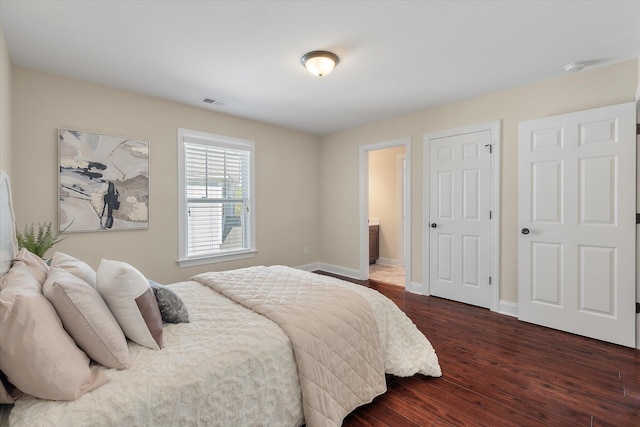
(434, 225)
(525, 231)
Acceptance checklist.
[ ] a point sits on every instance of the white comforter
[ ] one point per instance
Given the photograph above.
(228, 367)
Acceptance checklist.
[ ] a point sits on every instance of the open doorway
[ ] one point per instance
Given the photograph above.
(387, 168)
(384, 175)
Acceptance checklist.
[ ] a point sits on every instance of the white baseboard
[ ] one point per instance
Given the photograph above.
(309, 267)
(387, 261)
(416, 288)
(508, 308)
(336, 269)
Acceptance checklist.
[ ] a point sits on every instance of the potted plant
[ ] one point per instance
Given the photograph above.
(38, 240)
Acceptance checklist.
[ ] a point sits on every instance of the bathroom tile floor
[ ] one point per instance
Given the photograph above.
(387, 274)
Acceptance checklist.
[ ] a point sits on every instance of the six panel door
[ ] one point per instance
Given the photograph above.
(459, 189)
(576, 212)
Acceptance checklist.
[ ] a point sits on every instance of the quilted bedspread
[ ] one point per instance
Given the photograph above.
(341, 352)
(333, 332)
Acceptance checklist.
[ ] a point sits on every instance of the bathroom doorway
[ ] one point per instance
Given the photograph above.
(386, 168)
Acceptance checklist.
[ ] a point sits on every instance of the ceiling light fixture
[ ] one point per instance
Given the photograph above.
(320, 62)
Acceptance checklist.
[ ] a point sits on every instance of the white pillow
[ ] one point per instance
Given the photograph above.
(87, 318)
(74, 266)
(131, 300)
(36, 353)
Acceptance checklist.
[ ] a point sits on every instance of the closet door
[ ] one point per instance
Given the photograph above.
(460, 222)
(576, 211)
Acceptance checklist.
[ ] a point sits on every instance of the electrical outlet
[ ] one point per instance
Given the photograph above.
(306, 250)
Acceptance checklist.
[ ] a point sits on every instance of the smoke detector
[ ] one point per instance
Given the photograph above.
(574, 67)
(212, 101)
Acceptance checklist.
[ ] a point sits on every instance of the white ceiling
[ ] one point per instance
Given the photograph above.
(396, 57)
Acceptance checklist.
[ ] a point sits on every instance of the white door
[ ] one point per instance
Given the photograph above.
(460, 228)
(576, 212)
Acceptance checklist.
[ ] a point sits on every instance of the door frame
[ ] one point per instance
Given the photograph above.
(494, 128)
(364, 206)
(401, 173)
(637, 211)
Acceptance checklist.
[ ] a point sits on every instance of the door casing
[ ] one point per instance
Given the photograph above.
(364, 206)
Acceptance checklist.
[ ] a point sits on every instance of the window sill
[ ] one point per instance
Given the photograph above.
(212, 259)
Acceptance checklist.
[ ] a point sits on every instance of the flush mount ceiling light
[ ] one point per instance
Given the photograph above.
(320, 62)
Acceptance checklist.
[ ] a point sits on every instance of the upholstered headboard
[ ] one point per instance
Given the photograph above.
(8, 242)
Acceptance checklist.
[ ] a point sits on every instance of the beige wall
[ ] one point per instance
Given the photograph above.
(287, 172)
(339, 157)
(5, 106)
(307, 187)
(384, 198)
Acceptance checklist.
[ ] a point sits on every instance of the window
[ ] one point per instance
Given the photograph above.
(216, 203)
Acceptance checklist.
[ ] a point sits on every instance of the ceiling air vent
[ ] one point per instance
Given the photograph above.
(212, 101)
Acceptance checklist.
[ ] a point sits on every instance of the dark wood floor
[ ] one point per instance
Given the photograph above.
(498, 371)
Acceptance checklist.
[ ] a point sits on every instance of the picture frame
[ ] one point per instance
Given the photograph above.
(103, 182)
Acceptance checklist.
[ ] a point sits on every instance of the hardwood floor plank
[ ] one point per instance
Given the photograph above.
(397, 400)
(491, 410)
(516, 394)
(363, 418)
(387, 416)
(543, 379)
(499, 371)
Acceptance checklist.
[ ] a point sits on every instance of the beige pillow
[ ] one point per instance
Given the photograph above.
(131, 300)
(38, 268)
(21, 278)
(74, 266)
(36, 353)
(87, 318)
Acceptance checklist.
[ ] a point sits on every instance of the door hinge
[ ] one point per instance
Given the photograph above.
(637, 218)
(637, 128)
(490, 148)
(637, 307)
(489, 279)
(490, 214)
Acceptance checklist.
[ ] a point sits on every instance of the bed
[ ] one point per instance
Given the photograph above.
(232, 364)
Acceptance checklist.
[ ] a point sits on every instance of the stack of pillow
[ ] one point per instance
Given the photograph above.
(55, 320)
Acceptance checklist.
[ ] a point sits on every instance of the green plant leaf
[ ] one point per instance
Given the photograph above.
(39, 241)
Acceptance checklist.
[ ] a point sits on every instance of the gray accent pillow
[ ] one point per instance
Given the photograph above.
(172, 309)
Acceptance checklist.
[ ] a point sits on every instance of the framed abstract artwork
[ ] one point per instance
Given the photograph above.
(103, 182)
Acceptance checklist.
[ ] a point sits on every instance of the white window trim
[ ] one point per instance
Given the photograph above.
(215, 140)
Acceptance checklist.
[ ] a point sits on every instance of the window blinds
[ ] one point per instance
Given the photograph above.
(217, 187)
